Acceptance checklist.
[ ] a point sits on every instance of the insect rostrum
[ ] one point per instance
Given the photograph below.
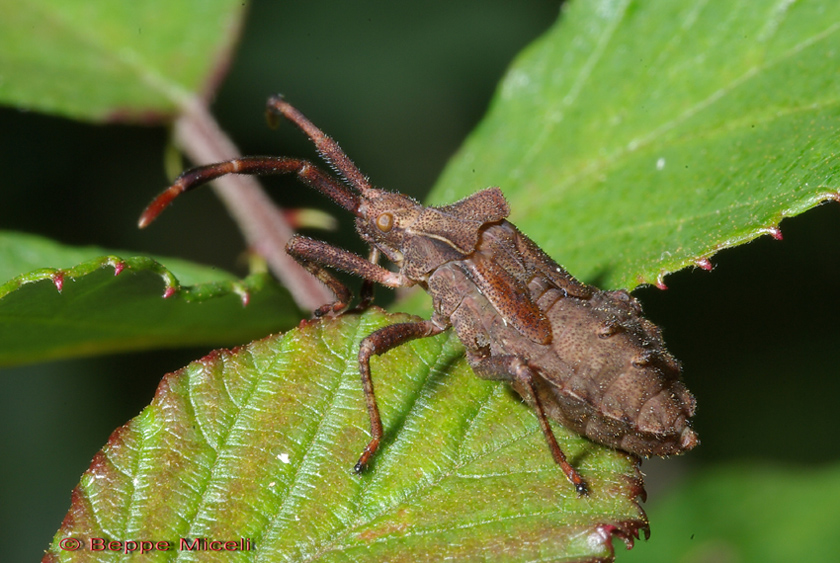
(584, 357)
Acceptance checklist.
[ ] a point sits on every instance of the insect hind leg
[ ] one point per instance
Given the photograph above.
(517, 369)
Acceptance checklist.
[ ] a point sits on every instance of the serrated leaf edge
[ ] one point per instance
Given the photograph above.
(191, 294)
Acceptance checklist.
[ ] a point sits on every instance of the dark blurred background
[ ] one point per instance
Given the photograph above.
(399, 85)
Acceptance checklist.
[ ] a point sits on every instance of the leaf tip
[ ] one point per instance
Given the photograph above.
(117, 263)
(774, 232)
(704, 264)
(627, 531)
(833, 196)
(57, 278)
(660, 281)
(310, 218)
(240, 290)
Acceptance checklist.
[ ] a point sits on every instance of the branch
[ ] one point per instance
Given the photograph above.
(261, 222)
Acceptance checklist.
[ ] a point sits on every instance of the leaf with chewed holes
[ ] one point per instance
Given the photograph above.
(639, 138)
(260, 443)
(91, 303)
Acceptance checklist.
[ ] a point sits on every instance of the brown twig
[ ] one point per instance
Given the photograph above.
(261, 222)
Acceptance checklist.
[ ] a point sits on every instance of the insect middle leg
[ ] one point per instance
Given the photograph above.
(505, 367)
(366, 291)
(375, 344)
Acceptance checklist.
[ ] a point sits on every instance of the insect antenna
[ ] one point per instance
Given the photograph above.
(308, 173)
(326, 145)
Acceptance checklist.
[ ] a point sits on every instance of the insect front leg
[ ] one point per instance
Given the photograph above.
(505, 367)
(315, 254)
(375, 344)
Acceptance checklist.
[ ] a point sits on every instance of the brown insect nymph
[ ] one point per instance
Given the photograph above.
(583, 357)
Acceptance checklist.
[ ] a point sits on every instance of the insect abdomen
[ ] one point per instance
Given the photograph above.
(604, 372)
(620, 386)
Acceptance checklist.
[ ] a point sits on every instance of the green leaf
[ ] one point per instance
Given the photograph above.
(98, 60)
(260, 443)
(94, 303)
(748, 511)
(21, 253)
(636, 138)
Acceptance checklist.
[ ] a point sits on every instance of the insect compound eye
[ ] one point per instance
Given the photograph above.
(385, 222)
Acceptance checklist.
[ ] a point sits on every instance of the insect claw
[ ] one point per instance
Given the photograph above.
(329, 309)
(362, 465)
